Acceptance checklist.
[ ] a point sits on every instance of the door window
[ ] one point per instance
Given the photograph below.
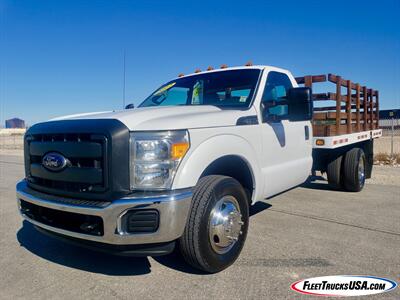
(275, 90)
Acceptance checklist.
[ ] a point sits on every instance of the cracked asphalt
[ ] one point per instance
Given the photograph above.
(306, 232)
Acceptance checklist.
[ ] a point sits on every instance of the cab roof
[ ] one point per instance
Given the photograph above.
(258, 67)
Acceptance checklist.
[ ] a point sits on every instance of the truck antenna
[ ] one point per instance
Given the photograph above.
(123, 85)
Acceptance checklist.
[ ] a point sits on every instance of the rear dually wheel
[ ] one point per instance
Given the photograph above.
(354, 170)
(334, 173)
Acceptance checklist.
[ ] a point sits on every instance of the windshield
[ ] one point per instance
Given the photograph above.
(233, 88)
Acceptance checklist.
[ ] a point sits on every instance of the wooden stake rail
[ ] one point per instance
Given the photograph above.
(357, 109)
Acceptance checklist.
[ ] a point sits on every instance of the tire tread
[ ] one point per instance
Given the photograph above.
(350, 170)
(189, 248)
(334, 172)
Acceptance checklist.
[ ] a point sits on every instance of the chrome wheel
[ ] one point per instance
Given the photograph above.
(225, 225)
(361, 171)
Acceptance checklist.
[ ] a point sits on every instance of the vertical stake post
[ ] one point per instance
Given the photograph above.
(338, 102)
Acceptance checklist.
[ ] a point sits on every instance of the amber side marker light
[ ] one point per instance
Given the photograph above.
(181, 75)
(320, 142)
(179, 150)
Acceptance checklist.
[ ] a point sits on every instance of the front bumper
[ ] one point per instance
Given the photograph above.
(173, 208)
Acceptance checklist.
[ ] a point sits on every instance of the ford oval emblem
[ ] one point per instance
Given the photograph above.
(54, 161)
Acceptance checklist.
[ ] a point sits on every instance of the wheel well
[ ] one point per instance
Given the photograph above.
(235, 167)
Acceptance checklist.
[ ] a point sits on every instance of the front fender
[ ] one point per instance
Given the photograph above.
(209, 150)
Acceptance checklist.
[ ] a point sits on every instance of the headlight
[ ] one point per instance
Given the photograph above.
(155, 157)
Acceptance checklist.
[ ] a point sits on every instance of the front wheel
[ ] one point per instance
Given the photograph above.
(217, 225)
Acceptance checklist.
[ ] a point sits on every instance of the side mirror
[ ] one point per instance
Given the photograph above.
(300, 104)
(130, 106)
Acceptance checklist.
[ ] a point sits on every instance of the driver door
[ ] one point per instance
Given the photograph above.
(286, 144)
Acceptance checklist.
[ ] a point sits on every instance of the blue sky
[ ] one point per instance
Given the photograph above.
(63, 57)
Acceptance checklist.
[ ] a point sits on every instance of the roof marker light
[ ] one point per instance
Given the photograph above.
(249, 63)
(224, 66)
(210, 68)
(181, 75)
(197, 70)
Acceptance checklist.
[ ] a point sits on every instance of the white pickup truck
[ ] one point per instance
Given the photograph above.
(184, 167)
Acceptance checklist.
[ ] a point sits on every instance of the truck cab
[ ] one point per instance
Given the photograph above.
(180, 170)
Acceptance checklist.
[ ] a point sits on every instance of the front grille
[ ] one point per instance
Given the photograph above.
(75, 222)
(87, 163)
(97, 151)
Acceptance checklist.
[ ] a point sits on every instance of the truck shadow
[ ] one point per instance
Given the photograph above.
(77, 257)
(88, 260)
(258, 207)
(316, 183)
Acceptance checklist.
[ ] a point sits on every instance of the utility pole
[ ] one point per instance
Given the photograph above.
(391, 142)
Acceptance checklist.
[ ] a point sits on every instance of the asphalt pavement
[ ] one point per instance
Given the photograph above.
(306, 232)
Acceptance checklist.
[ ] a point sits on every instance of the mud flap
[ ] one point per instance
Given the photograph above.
(369, 155)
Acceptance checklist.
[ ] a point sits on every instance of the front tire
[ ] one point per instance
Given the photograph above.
(217, 225)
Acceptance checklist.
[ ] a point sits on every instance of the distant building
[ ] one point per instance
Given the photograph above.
(15, 123)
(389, 118)
(389, 113)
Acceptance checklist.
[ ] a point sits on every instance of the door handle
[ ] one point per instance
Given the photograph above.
(306, 132)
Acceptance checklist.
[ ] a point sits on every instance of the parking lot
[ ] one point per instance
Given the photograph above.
(309, 231)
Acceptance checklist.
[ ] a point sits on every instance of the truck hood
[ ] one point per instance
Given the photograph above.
(169, 117)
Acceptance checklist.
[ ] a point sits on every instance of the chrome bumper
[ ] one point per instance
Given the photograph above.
(173, 208)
